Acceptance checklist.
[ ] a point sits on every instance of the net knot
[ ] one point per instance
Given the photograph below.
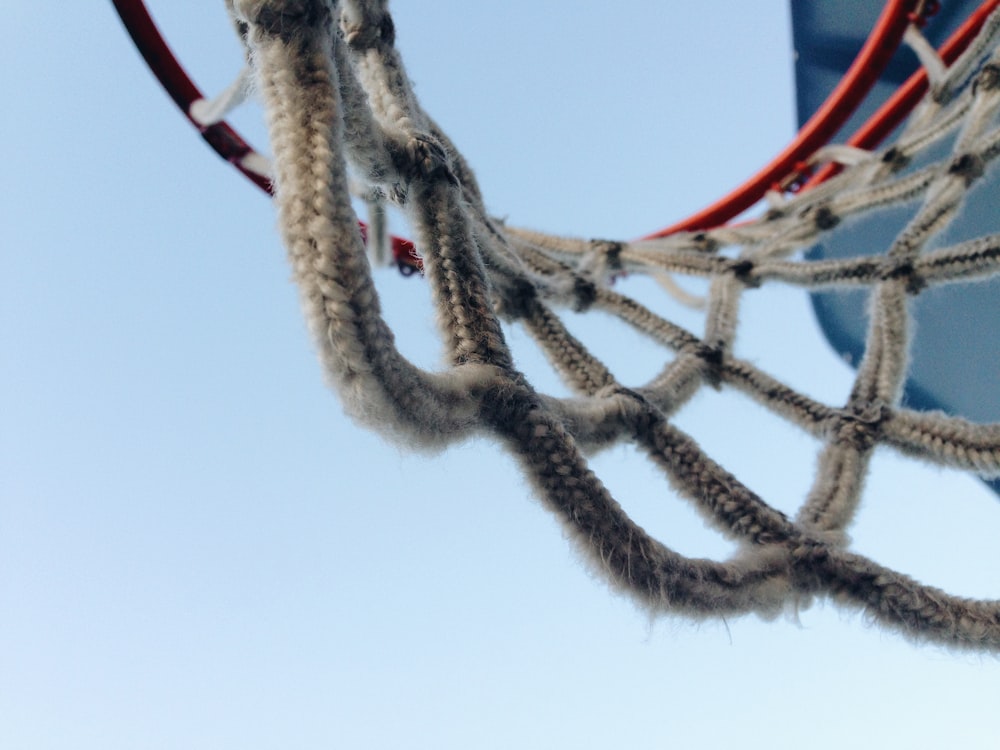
(421, 159)
(634, 409)
(743, 269)
(518, 299)
(712, 358)
(861, 426)
(904, 268)
(611, 250)
(988, 79)
(807, 559)
(703, 242)
(825, 218)
(508, 406)
(969, 167)
(584, 293)
(895, 159)
(808, 551)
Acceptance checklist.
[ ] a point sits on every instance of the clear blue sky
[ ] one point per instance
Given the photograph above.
(198, 550)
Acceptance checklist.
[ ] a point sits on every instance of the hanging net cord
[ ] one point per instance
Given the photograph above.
(336, 94)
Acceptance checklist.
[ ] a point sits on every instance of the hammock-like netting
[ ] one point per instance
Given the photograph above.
(342, 116)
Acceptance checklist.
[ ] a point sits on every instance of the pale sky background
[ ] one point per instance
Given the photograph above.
(198, 550)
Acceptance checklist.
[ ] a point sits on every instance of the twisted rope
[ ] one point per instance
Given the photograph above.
(337, 97)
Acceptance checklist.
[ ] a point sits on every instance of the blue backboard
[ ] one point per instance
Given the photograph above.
(956, 327)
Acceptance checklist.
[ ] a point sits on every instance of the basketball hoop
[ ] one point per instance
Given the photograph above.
(336, 94)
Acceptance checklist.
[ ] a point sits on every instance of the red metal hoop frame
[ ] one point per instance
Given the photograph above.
(786, 167)
(789, 166)
(221, 137)
(907, 96)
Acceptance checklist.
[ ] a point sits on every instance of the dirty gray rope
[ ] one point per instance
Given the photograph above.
(337, 97)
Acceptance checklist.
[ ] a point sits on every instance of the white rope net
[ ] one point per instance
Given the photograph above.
(338, 102)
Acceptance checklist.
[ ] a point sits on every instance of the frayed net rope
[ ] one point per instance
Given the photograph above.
(336, 95)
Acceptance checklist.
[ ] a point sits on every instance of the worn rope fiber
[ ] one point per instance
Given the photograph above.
(337, 99)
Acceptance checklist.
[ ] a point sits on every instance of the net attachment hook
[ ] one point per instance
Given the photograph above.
(793, 181)
(923, 12)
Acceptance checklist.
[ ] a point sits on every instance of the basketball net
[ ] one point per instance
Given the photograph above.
(344, 121)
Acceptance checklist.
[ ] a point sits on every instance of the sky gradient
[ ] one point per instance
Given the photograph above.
(198, 550)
